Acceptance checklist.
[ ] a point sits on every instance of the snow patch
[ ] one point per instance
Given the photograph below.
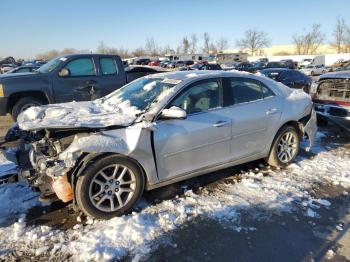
(137, 234)
(93, 114)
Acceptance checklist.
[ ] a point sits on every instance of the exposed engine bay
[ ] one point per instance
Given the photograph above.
(38, 159)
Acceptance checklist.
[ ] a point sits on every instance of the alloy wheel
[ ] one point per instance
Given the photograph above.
(287, 147)
(112, 187)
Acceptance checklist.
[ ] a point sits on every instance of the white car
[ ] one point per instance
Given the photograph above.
(313, 70)
(159, 130)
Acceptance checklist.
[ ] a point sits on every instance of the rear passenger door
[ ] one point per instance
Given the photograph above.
(255, 113)
(111, 78)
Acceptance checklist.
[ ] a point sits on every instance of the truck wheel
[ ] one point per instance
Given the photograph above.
(109, 187)
(23, 104)
(285, 147)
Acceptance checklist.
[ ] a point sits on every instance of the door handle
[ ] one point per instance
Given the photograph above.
(91, 82)
(221, 123)
(272, 111)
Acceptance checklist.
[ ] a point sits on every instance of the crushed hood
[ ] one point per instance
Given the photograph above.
(91, 114)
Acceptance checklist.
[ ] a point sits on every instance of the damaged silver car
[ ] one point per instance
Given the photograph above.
(155, 131)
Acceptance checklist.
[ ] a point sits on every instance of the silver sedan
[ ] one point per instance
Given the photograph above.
(159, 130)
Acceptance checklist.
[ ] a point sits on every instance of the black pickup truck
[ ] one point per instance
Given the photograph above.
(78, 77)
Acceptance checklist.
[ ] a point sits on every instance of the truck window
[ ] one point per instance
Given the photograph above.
(108, 66)
(81, 67)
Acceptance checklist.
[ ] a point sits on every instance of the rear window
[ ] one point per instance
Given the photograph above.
(108, 66)
(271, 74)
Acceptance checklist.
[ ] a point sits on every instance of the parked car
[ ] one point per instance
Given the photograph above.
(331, 95)
(156, 131)
(246, 66)
(141, 61)
(7, 60)
(174, 64)
(23, 69)
(207, 66)
(154, 63)
(164, 63)
(313, 70)
(289, 77)
(304, 62)
(134, 72)
(6, 67)
(229, 66)
(289, 63)
(276, 65)
(342, 68)
(78, 77)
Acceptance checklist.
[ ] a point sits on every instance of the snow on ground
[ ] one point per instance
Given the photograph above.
(137, 234)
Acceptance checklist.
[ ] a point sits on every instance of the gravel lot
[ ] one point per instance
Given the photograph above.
(244, 213)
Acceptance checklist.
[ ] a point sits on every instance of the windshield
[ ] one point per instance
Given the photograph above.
(271, 74)
(142, 93)
(51, 65)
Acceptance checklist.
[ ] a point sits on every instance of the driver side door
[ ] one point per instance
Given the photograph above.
(82, 83)
(199, 141)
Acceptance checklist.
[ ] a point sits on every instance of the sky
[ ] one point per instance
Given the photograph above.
(32, 27)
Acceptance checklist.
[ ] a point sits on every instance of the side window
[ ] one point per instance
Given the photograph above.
(199, 97)
(81, 67)
(108, 66)
(23, 70)
(284, 75)
(267, 92)
(245, 90)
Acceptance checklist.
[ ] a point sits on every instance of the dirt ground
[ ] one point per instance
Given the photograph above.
(5, 123)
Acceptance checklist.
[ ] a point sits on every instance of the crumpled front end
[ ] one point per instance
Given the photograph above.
(49, 161)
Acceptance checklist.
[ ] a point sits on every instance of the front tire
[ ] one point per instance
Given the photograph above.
(23, 104)
(109, 187)
(285, 147)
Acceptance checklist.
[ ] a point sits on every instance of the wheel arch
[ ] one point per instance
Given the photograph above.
(13, 98)
(87, 158)
(296, 124)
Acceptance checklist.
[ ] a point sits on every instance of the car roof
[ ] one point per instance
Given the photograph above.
(340, 74)
(275, 69)
(202, 74)
(85, 55)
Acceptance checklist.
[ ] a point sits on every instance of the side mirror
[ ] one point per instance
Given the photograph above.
(64, 72)
(173, 112)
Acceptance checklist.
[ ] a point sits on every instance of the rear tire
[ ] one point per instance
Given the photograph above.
(104, 179)
(23, 104)
(285, 147)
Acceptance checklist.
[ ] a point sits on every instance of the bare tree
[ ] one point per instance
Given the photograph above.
(309, 42)
(253, 40)
(212, 48)
(151, 47)
(339, 34)
(139, 52)
(102, 48)
(55, 53)
(206, 42)
(221, 43)
(185, 45)
(193, 44)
